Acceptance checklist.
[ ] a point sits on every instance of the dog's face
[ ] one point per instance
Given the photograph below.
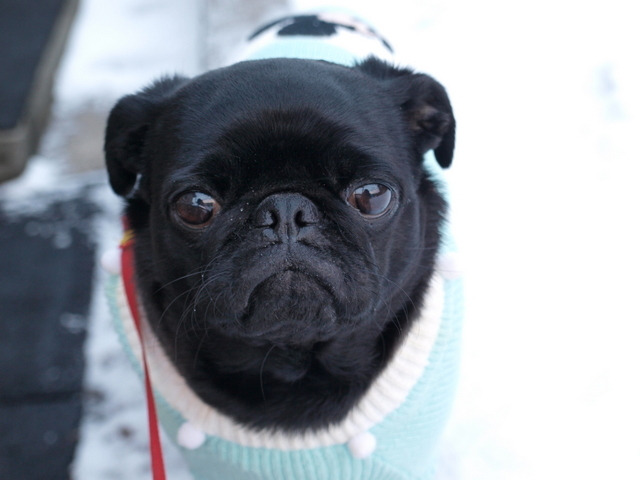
(285, 228)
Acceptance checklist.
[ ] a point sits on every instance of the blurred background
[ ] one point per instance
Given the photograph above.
(544, 193)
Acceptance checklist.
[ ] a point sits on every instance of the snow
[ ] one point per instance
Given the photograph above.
(118, 47)
(545, 199)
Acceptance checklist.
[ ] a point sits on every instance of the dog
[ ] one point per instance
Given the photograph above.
(288, 231)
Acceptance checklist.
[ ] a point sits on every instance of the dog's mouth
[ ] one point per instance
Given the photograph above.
(291, 306)
(284, 295)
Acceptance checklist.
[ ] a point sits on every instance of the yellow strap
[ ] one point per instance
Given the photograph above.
(127, 238)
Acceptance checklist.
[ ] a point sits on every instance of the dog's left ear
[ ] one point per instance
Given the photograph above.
(425, 105)
(127, 129)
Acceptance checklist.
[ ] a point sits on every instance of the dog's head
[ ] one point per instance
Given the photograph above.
(286, 229)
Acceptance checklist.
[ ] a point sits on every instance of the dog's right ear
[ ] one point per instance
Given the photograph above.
(425, 106)
(127, 129)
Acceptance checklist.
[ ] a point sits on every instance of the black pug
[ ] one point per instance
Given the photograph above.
(286, 230)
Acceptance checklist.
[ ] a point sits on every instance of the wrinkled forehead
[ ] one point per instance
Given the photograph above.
(282, 118)
(280, 146)
(343, 94)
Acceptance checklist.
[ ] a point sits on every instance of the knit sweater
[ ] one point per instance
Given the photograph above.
(391, 433)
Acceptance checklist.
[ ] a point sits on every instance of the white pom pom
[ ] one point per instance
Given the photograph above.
(362, 445)
(110, 261)
(449, 266)
(190, 437)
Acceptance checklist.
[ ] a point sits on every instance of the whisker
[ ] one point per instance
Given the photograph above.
(195, 273)
(264, 361)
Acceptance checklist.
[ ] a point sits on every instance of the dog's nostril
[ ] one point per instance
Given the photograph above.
(303, 218)
(266, 218)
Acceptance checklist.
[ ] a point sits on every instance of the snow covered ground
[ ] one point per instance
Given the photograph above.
(545, 202)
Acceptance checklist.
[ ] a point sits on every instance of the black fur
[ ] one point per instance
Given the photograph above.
(282, 310)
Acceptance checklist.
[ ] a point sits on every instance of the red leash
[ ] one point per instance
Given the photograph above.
(155, 447)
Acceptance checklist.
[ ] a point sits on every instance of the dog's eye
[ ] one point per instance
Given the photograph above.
(372, 200)
(196, 209)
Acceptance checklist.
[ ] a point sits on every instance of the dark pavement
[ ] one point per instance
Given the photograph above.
(46, 260)
(46, 265)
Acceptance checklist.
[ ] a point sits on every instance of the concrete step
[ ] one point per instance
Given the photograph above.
(32, 38)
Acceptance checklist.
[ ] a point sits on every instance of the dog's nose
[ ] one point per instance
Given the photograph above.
(286, 217)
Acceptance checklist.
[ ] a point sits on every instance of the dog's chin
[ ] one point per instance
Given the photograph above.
(292, 308)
